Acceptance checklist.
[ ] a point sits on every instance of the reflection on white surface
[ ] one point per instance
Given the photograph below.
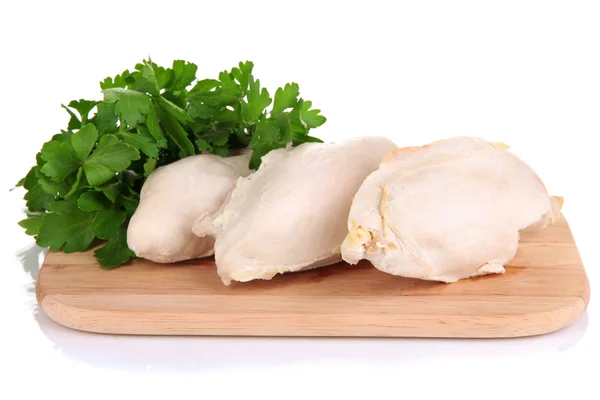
(189, 354)
(31, 259)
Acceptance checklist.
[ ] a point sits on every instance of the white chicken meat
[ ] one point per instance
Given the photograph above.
(446, 211)
(173, 198)
(291, 214)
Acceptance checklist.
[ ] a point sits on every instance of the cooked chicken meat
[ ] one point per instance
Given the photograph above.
(446, 211)
(290, 215)
(173, 198)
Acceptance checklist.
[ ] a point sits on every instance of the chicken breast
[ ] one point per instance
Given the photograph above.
(446, 211)
(291, 214)
(173, 198)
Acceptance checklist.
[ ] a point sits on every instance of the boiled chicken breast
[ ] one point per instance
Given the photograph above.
(173, 198)
(449, 210)
(291, 214)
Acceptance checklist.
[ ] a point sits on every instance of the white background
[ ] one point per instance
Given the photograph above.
(523, 72)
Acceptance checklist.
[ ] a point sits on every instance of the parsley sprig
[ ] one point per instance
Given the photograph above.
(87, 179)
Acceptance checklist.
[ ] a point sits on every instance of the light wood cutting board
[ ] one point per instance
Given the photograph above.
(544, 289)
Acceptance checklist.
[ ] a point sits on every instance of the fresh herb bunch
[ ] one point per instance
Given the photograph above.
(87, 180)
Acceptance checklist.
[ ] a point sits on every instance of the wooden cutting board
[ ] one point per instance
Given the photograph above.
(544, 289)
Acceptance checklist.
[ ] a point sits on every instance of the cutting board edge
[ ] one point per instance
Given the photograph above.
(511, 326)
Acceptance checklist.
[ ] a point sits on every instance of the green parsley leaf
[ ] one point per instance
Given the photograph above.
(285, 128)
(140, 141)
(108, 221)
(67, 227)
(176, 133)
(84, 140)
(257, 101)
(180, 115)
(205, 86)
(53, 188)
(227, 116)
(119, 81)
(31, 225)
(299, 138)
(105, 119)
(260, 150)
(83, 107)
(178, 98)
(311, 118)
(111, 190)
(111, 156)
(77, 184)
(303, 118)
(74, 122)
(285, 98)
(37, 198)
(115, 252)
(92, 201)
(148, 78)
(267, 132)
(218, 137)
(206, 99)
(184, 73)
(63, 137)
(203, 145)
(61, 160)
(209, 96)
(129, 204)
(149, 166)
(154, 127)
(130, 105)
(221, 151)
(267, 137)
(243, 75)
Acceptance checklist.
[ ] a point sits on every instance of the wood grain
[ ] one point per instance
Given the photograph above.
(544, 289)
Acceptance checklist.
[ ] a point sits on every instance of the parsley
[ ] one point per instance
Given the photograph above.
(87, 179)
